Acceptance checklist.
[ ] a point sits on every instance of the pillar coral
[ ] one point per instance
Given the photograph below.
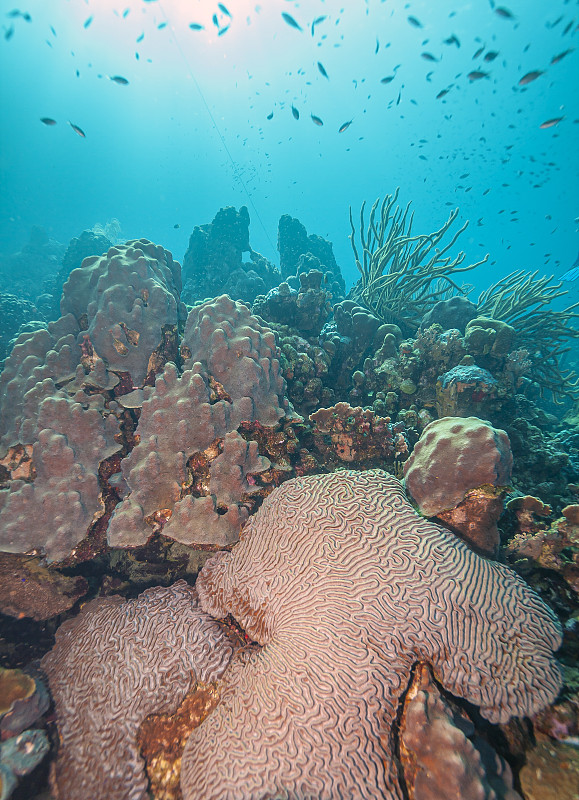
(345, 588)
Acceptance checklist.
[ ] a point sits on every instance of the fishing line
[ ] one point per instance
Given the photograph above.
(236, 169)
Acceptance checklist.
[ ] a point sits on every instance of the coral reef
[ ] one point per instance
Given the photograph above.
(344, 598)
(29, 589)
(14, 313)
(521, 300)
(453, 456)
(403, 275)
(176, 484)
(125, 301)
(213, 263)
(299, 252)
(456, 312)
(439, 752)
(22, 273)
(114, 664)
(305, 309)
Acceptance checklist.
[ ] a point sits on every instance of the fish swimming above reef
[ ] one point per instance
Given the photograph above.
(118, 79)
(573, 273)
(77, 130)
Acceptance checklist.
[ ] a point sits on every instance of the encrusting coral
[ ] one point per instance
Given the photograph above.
(344, 598)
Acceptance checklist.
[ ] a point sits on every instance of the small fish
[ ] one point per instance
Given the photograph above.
(224, 10)
(503, 12)
(76, 129)
(53, 31)
(118, 79)
(530, 76)
(550, 123)
(140, 38)
(322, 70)
(161, 25)
(48, 121)
(428, 57)
(387, 79)
(442, 93)
(491, 55)
(478, 53)
(270, 115)
(317, 21)
(344, 126)
(87, 22)
(290, 21)
(316, 120)
(176, 226)
(556, 59)
(452, 40)
(9, 33)
(215, 20)
(17, 13)
(377, 46)
(415, 22)
(568, 28)
(223, 30)
(398, 98)
(295, 112)
(126, 13)
(476, 75)
(195, 26)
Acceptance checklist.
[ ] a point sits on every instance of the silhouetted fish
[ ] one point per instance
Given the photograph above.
(415, 22)
(550, 123)
(491, 55)
(290, 21)
(118, 79)
(476, 75)
(322, 70)
(295, 112)
(176, 226)
(223, 9)
(556, 59)
(503, 12)
(270, 116)
(48, 120)
(77, 130)
(387, 79)
(344, 126)
(316, 120)
(87, 22)
(530, 76)
(452, 40)
(195, 26)
(316, 22)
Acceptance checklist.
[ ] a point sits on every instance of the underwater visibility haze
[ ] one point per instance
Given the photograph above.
(289, 399)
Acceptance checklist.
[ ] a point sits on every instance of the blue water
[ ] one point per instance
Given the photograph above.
(190, 132)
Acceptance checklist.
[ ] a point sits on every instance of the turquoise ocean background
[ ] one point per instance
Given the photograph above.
(191, 132)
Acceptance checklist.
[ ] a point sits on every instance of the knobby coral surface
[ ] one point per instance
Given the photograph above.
(453, 456)
(114, 664)
(346, 588)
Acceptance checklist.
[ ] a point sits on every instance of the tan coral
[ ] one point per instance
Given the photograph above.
(453, 456)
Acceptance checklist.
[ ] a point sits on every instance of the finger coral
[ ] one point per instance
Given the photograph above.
(345, 588)
(114, 664)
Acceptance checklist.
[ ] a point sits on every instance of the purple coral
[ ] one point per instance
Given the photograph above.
(346, 588)
(114, 664)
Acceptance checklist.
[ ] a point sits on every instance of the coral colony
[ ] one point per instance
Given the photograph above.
(276, 541)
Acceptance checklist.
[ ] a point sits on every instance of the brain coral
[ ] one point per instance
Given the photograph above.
(113, 665)
(346, 587)
(453, 456)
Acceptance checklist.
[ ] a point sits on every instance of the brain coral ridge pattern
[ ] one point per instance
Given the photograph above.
(346, 587)
(114, 664)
